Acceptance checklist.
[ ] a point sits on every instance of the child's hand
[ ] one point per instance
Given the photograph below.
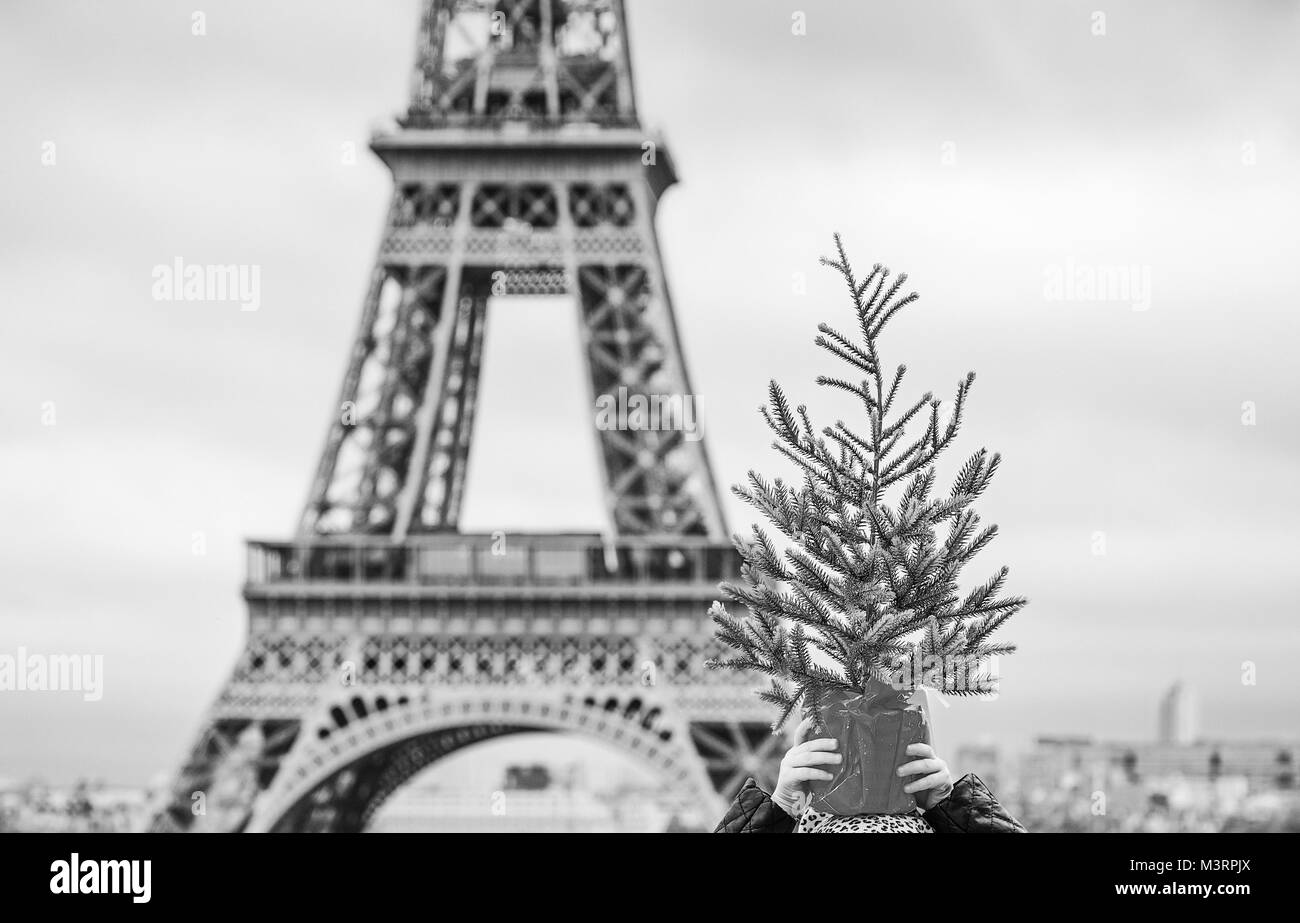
(933, 787)
(797, 769)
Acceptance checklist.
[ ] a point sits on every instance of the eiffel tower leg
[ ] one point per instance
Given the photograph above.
(658, 473)
(437, 479)
(234, 760)
(734, 750)
(375, 434)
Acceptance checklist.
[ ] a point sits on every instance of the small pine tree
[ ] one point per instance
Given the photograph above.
(869, 586)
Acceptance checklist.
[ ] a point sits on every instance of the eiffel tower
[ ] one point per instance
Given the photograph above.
(382, 638)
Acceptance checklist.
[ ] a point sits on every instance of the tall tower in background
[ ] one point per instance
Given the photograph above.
(1178, 720)
(381, 638)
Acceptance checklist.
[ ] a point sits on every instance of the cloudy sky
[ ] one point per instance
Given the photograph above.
(988, 150)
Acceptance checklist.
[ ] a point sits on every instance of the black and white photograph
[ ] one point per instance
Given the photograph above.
(630, 417)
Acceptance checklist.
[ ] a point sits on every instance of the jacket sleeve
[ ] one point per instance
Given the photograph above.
(754, 811)
(971, 808)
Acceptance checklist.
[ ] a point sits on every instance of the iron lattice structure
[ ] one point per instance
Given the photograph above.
(382, 638)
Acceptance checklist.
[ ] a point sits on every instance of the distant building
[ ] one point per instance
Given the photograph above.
(1177, 782)
(1079, 785)
(983, 759)
(534, 778)
(1177, 720)
(1263, 764)
(534, 798)
(32, 807)
(522, 810)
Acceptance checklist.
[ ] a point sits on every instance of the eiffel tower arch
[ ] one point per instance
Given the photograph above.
(381, 637)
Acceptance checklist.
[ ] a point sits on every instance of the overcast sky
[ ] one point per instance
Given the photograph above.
(983, 149)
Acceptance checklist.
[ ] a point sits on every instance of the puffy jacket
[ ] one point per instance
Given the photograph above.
(969, 808)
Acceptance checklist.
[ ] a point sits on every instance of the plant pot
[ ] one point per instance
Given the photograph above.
(874, 729)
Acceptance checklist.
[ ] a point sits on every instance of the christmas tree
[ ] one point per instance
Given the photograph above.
(859, 589)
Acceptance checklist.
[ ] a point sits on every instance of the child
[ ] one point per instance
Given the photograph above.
(943, 806)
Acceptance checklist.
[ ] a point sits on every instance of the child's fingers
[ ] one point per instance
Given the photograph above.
(815, 758)
(934, 780)
(919, 766)
(919, 750)
(808, 774)
(805, 726)
(820, 743)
